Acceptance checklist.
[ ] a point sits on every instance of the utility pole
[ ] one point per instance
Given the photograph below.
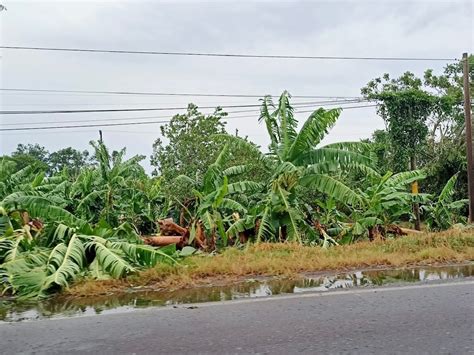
(467, 116)
(100, 136)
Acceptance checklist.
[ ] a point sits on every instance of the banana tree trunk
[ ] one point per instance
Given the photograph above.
(161, 241)
(375, 233)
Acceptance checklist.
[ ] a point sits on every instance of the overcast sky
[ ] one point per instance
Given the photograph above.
(327, 28)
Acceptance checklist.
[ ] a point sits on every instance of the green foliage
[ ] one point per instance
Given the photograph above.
(30, 154)
(37, 259)
(443, 212)
(442, 153)
(68, 159)
(446, 153)
(295, 163)
(190, 148)
(387, 200)
(449, 115)
(192, 143)
(215, 200)
(57, 229)
(405, 107)
(64, 216)
(441, 161)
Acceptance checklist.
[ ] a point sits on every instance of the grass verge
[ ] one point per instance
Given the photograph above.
(291, 260)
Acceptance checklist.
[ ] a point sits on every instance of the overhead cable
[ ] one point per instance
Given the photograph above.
(228, 55)
(128, 123)
(40, 112)
(147, 93)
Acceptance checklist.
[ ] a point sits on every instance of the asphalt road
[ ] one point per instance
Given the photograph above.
(419, 319)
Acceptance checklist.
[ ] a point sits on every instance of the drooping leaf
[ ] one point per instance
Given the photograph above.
(265, 228)
(332, 187)
(315, 127)
(110, 260)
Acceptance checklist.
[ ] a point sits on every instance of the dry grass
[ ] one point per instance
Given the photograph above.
(293, 259)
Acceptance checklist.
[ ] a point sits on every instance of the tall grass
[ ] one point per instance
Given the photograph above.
(292, 259)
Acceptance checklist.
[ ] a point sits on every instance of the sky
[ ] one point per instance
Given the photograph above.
(382, 28)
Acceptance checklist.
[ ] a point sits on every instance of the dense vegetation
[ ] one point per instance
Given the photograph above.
(69, 214)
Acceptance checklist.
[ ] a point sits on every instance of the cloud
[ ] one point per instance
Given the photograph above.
(356, 28)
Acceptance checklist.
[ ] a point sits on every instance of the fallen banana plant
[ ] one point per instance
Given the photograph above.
(36, 262)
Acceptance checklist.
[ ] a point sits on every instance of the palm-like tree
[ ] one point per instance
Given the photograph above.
(296, 160)
(216, 200)
(46, 239)
(384, 203)
(443, 212)
(109, 190)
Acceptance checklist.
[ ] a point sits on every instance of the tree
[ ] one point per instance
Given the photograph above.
(108, 191)
(215, 200)
(191, 146)
(443, 153)
(443, 159)
(194, 141)
(295, 160)
(68, 159)
(247, 155)
(405, 107)
(446, 151)
(380, 148)
(30, 154)
(448, 120)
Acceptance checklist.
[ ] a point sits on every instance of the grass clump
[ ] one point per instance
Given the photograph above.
(292, 259)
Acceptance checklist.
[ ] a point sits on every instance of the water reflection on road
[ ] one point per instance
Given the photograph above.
(12, 310)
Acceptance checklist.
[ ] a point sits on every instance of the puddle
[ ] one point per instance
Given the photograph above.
(11, 310)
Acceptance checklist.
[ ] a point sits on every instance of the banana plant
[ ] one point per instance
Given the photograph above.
(442, 213)
(12, 180)
(296, 160)
(384, 203)
(215, 201)
(29, 180)
(107, 191)
(39, 258)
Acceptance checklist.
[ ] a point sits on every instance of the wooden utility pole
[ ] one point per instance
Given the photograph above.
(467, 116)
(100, 136)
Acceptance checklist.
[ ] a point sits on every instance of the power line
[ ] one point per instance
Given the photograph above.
(39, 112)
(83, 121)
(58, 132)
(343, 108)
(228, 55)
(167, 116)
(302, 104)
(89, 104)
(133, 123)
(139, 93)
(144, 104)
(82, 126)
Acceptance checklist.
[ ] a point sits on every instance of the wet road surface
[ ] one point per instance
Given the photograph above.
(423, 318)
